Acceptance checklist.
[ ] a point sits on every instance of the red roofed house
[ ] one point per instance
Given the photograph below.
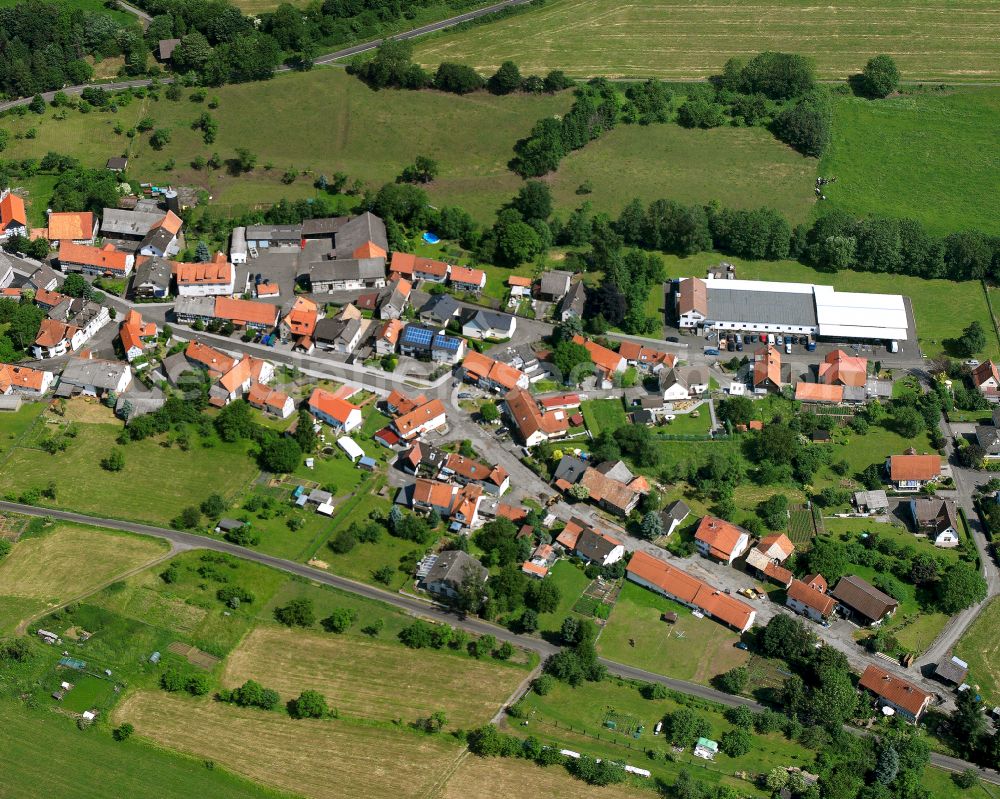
(215, 278)
(135, 334)
(673, 583)
(299, 324)
(24, 380)
(103, 261)
(270, 400)
(423, 419)
(809, 599)
(340, 414)
(464, 278)
(78, 227)
(492, 375)
(217, 363)
(246, 313)
(904, 697)
(767, 370)
(607, 363)
(768, 556)
(819, 392)
(468, 470)
(692, 302)
(722, 540)
(48, 299)
(532, 425)
(841, 369)
(646, 357)
(248, 371)
(562, 402)
(519, 287)
(387, 337)
(911, 472)
(434, 495)
(13, 216)
(986, 377)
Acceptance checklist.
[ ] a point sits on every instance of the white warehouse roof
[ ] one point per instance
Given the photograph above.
(852, 314)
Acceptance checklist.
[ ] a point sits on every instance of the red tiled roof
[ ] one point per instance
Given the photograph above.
(602, 357)
(767, 366)
(369, 250)
(914, 467)
(210, 357)
(334, 407)
(171, 223)
(21, 377)
(839, 368)
(433, 492)
(894, 689)
(529, 419)
(12, 210)
(106, 257)
(481, 366)
(215, 272)
(984, 372)
(267, 397)
(720, 535)
(818, 392)
(51, 332)
(467, 275)
(245, 311)
(409, 422)
(811, 598)
(690, 590)
(70, 225)
(517, 280)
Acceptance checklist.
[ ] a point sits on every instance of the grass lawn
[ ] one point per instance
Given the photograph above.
(934, 301)
(896, 532)
(472, 138)
(979, 646)
(603, 414)
(586, 708)
(738, 167)
(374, 679)
(366, 558)
(93, 766)
(271, 748)
(156, 484)
(873, 447)
(692, 649)
(63, 563)
(15, 425)
(188, 606)
(571, 581)
(688, 423)
(646, 39)
(926, 157)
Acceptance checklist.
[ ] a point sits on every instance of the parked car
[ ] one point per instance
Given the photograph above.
(972, 362)
(788, 348)
(741, 645)
(739, 346)
(464, 395)
(811, 346)
(763, 338)
(673, 339)
(711, 351)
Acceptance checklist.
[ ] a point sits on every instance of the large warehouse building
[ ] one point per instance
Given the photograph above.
(797, 308)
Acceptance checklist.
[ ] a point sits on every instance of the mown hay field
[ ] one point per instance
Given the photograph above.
(318, 759)
(375, 680)
(935, 40)
(46, 571)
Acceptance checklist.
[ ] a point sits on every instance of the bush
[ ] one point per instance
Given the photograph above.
(735, 743)
(654, 690)
(340, 620)
(543, 684)
(740, 716)
(297, 613)
(123, 732)
(308, 705)
(733, 681)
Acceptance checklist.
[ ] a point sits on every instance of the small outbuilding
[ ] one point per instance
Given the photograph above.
(953, 670)
(351, 448)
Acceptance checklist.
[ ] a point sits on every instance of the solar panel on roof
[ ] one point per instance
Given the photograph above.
(418, 335)
(446, 342)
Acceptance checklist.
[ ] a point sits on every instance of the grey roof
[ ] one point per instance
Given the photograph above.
(238, 241)
(489, 320)
(155, 271)
(119, 222)
(953, 670)
(760, 307)
(451, 566)
(676, 511)
(517, 356)
(319, 496)
(616, 470)
(142, 402)
(63, 310)
(855, 393)
(229, 524)
(651, 403)
(175, 365)
(988, 438)
(643, 416)
(879, 388)
(392, 298)
(195, 306)
(555, 282)
(43, 276)
(569, 469)
(575, 299)
(287, 233)
(117, 163)
(98, 373)
(165, 48)
(873, 500)
(160, 238)
(440, 308)
(6, 268)
(686, 376)
(85, 312)
(934, 513)
(357, 231)
(335, 270)
(333, 329)
(326, 226)
(594, 546)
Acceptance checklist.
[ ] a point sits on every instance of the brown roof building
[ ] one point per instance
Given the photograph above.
(904, 697)
(865, 601)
